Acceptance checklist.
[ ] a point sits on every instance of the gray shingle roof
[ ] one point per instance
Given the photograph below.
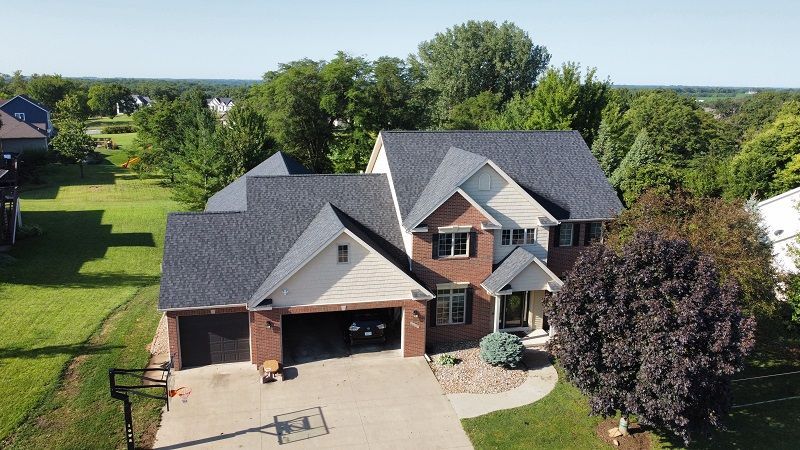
(512, 265)
(222, 258)
(555, 167)
(13, 128)
(233, 197)
(455, 165)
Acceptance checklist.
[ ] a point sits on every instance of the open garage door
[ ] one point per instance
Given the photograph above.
(214, 339)
(311, 337)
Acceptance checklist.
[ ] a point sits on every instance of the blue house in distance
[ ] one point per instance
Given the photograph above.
(25, 109)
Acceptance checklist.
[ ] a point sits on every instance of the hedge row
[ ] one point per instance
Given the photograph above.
(118, 129)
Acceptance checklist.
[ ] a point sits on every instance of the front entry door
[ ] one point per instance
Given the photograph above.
(514, 310)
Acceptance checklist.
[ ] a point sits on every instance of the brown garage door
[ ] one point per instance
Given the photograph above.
(214, 339)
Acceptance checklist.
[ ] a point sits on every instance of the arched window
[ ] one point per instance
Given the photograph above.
(485, 182)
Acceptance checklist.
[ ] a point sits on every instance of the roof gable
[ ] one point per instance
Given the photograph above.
(515, 263)
(13, 128)
(25, 98)
(556, 168)
(233, 197)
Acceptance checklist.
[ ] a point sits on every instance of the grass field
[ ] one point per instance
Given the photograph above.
(99, 257)
(561, 420)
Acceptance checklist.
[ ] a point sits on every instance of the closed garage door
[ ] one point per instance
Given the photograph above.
(214, 339)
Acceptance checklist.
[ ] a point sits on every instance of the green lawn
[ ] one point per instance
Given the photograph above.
(125, 143)
(102, 244)
(97, 122)
(561, 420)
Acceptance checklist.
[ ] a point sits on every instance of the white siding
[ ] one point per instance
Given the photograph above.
(367, 277)
(532, 278)
(382, 166)
(510, 207)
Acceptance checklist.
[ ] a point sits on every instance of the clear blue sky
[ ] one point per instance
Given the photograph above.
(698, 42)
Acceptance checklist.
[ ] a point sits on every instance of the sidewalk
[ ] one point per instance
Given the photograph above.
(542, 377)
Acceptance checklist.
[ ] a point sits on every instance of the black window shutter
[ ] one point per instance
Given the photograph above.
(435, 245)
(473, 243)
(557, 233)
(468, 306)
(576, 234)
(432, 312)
(586, 233)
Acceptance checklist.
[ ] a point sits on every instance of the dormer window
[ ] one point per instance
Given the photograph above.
(343, 254)
(20, 116)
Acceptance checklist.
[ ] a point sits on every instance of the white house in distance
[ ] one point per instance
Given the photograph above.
(781, 217)
(139, 101)
(220, 105)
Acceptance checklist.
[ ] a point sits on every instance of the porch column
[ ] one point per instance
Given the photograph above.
(496, 326)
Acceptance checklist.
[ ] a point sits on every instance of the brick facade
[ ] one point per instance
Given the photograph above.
(474, 269)
(266, 342)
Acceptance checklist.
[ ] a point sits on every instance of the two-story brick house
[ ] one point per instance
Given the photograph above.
(460, 233)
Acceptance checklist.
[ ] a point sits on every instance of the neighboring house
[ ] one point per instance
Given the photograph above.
(18, 136)
(139, 101)
(220, 105)
(29, 111)
(10, 216)
(781, 218)
(461, 233)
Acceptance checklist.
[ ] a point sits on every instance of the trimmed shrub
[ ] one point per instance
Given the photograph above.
(118, 129)
(502, 349)
(448, 360)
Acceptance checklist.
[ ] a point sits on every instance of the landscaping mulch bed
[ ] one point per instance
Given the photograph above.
(638, 438)
(471, 374)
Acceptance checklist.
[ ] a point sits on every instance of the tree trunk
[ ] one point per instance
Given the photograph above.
(623, 423)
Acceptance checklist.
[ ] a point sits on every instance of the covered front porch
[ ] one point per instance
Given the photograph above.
(518, 286)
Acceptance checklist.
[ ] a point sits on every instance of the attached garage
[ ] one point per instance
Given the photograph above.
(214, 339)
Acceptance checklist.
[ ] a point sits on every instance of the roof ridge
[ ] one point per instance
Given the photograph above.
(476, 131)
(298, 175)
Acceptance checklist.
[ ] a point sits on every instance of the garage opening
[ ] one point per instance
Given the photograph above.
(317, 336)
(214, 339)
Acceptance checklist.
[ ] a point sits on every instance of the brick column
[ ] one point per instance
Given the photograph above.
(266, 343)
(414, 328)
(174, 343)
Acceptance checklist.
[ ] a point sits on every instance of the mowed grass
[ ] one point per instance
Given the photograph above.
(561, 420)
(102, 243)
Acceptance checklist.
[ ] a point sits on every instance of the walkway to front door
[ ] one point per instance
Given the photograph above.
(359, 402)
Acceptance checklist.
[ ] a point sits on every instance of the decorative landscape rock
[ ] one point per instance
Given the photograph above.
(471, 374)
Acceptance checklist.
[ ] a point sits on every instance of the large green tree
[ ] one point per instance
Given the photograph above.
(643, 168)
(726, 231)
(561, 101)
(202, 163)
(474, 57)
(245, 139)
(73, 106)
(291, 99)
(104, 98)
(48, 89)
(769, 162)
(72, 142)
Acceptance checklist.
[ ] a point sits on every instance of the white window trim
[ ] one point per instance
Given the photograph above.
(449, 297)
(20, 116)
(571, 234)
(452, 254)
(455, 229)
(347, 253)
(525, 234)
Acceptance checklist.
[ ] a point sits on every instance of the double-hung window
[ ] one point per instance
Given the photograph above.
(451, 305)
(565, 235)
(521, 236)
(595, 233)
(453, 244)
(343, 254)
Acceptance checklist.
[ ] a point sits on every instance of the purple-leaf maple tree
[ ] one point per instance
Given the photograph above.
(650, 330)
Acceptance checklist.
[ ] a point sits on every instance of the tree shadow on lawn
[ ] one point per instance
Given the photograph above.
(59, 176)
(72, 350)
(69, 240)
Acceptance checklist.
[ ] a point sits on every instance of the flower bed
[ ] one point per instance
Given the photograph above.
(471, 374)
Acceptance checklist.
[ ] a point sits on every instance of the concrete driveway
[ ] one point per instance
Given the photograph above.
(371, 400)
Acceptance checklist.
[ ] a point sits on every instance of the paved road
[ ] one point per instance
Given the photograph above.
(373, 400)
